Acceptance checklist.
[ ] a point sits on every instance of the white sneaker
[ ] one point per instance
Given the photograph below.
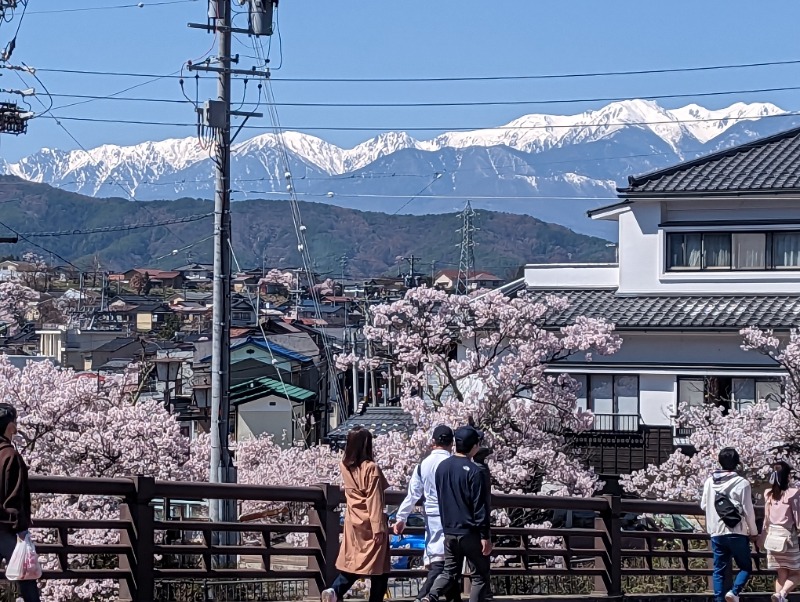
(779, 597)
(328, 595)
(729, 597)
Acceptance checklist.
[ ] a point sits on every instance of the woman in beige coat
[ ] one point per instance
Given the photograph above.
(364, 551)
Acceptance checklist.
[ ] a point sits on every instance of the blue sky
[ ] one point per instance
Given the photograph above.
(413, 38)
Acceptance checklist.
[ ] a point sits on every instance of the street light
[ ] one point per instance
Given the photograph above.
(202, 394)
(167, 372)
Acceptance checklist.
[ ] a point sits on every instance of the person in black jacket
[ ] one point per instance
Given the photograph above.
(465, 511)
(15, 496)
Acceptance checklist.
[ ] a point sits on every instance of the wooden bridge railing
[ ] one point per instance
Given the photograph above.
(144, 550)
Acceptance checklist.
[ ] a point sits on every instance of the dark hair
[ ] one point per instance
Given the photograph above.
(358, 448)
(8, 414)
(782, 472)
(729, 458)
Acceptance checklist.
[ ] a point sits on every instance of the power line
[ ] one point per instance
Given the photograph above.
(40, 247)
(177, 220)
(476, 103)
(440, 196)
(457, 79)
(441, 128)
(50, 115)
(80, 9)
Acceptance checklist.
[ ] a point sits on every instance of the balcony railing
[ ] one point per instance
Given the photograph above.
(598, 559)
(603, 423)
(619, 423)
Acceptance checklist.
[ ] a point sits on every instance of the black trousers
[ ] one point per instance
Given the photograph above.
(437, 568)
(378, 584)
(456, 549)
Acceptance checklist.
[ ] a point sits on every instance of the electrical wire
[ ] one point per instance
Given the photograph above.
(439, 196)
(552, 101)
(278, 371)
(81, 9)
(469, 78)
(300, 232)
(125, 228)
(51, 115)
(444, 128)
(182, 249)
(40, 247)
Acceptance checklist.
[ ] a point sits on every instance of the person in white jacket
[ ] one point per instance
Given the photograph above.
(726, 496)
(423, 485)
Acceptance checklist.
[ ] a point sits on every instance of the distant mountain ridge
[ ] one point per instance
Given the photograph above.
(264, 234)
(536, 164)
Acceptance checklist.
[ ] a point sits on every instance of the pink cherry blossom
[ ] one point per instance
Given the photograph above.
(758, 432)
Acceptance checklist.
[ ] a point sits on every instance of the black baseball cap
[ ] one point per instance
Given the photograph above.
(443, 435)
(467, 437)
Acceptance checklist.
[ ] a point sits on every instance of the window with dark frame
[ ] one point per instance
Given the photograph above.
(612, 398)
(749, 251)
(729, 392)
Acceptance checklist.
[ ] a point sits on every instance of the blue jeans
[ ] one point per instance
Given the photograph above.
(726, 547)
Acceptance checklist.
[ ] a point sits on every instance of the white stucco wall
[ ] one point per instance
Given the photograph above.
(570, 276)
(657, 395)
(642, 247)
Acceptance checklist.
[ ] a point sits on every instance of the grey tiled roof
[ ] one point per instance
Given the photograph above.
(677, 311)
(379, 421)
(767, 164)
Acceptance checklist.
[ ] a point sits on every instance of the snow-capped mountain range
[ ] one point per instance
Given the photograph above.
(549, 166)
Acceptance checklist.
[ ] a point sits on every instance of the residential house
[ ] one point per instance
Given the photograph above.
(137, 314)
(243, 313)
(121, 348)
(17, 270)
(379, 421)
(265, 406)
(70, 346)
(158, 278)
(448, 279)
(706, 248)
(195, 275)
(332, 315)
(254, 357)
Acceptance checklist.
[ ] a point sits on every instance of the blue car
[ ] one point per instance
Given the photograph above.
(412, 541)
(408, 541)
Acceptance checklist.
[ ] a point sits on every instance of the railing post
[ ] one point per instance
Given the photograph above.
(140, 537)
(325, 515)
(609, 522)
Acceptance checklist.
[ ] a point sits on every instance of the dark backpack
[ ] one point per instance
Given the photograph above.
(726, 510)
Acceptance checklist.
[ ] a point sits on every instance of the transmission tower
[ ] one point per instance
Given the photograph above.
(466, 262)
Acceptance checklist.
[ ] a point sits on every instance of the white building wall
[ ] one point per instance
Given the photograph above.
(642, 247)
(572, 275)
(657, 395)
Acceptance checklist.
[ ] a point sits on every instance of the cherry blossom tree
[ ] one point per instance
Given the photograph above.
(488, 358)
(760, 433)
(15, 301)
(68, 425)
(279, 278)
(39, 272)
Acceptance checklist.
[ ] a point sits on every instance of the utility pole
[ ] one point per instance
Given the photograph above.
(216, 115)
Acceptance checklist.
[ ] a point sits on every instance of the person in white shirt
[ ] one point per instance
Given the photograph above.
(423, 486)
(731, 522)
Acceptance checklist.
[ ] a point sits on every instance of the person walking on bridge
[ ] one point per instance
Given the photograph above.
(423, 486)
(364, 551)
